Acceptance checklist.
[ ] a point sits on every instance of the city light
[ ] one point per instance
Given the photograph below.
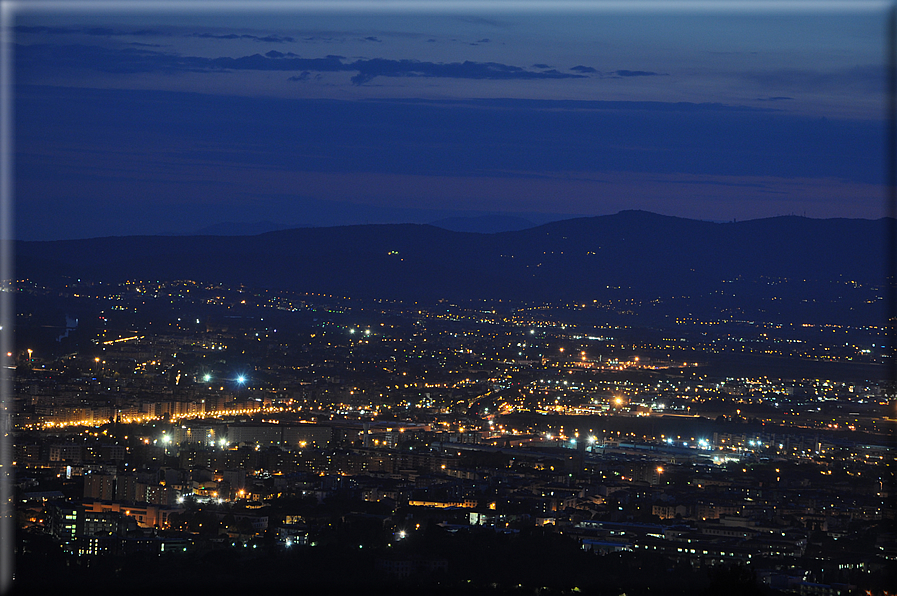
(446, 416)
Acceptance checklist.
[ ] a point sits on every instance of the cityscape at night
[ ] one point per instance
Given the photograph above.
(326, 299)
(189, 423)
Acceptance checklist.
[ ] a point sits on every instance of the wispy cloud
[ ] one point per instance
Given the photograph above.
(368, 69)
(276, 54)
(303, 76)
(613, 74)
(636, 73)
(33, 58)
(266, 38)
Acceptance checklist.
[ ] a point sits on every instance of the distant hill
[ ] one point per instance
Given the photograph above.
(484, 224)
(801, 263)
(231, 228)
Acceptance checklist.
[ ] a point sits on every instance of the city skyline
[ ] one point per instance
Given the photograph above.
(141, 121)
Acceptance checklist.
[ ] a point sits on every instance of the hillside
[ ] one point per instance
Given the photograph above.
(835, 264)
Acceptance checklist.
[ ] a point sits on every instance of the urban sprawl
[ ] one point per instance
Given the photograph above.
(193, 419)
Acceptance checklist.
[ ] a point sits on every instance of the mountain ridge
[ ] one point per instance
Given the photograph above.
(647, 255)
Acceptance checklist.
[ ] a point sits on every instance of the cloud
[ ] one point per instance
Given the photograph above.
(304, 76)
(541, 66)
(368, 69)
(33, 58)
(259, 62)
(372, 38)
(636, 73)
(267, 38)
(778, 98)
(612, 74)
(276, 54)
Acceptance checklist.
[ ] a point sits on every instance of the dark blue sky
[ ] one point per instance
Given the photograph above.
(140, 121)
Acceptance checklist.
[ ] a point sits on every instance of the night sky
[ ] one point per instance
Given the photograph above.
(134, 120)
